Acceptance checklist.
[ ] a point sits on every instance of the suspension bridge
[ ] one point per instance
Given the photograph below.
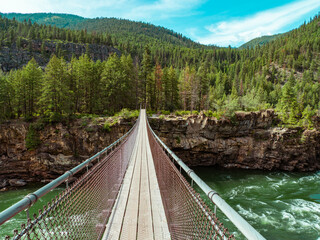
(133, 189)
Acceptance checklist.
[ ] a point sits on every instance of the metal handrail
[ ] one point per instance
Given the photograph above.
(247, 230)
(31, 198)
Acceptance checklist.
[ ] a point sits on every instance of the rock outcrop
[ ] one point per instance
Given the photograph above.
(250, 141)
(12, 57)
(62, 148)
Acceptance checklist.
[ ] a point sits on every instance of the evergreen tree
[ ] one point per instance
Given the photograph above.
(147, 82)
(113, 78)
(55, 98)
(158, 74)
(288, 103)
(31, 76)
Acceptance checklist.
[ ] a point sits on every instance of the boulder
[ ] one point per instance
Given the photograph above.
(17, 182)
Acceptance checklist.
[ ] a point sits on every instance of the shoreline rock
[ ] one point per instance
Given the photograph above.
(249, 142)
(62, 147)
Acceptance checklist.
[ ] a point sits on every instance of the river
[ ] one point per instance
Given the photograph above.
(279, 205)
(10, 197)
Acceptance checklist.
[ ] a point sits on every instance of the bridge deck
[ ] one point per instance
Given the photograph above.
(138, 212)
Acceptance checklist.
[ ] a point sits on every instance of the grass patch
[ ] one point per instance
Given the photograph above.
(127, 114)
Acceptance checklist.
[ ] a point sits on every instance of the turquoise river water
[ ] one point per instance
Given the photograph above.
(279, 205)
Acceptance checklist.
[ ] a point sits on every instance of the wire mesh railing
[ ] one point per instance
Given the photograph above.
(83, 208)
(187, 214)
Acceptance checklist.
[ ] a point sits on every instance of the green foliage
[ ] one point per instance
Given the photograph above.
(32, 138)
(84, 122)
(170, 72)
(127, 114)
(260, 41)
(230, 107)
(208, 113)
(182, 113)
(164, 112)
(306, 119)
(107, 126)
(56, 96)
(151, 112)
(253, 102)
(194, 113)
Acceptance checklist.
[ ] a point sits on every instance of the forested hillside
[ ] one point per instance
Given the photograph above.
(58, 20)
(283, 74)
(22, 41)
(260, 41)
(127, 36)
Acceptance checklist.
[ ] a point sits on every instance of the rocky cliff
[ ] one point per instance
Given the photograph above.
(250, 141)
(13, 57)
(62, 147)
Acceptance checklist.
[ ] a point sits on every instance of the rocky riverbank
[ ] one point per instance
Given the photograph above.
(250, 141)
(61, 148)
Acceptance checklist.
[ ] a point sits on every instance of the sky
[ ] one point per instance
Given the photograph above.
(216, 22)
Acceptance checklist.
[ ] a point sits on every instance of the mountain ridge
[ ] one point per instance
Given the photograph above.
(77, 22)
(110, 25)
(261, 40)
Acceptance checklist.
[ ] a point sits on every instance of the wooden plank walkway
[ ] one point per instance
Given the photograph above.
(138, 212)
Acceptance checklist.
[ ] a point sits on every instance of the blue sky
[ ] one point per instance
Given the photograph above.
(223, 22)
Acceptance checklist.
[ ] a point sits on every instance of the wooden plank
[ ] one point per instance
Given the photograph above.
(129, 224)
(145, 223)
(138, 212)
(113, 228)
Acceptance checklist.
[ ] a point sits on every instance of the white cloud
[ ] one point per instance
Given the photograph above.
(163, 9)
(238, 31)
(131, 9)
(21, 6)
(81, 7)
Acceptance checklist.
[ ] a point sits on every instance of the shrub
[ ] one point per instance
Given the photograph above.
(32, 138)
(127, 114)
(53, 117)
(208, 113)
(134, 114)
(182, 113)
(84, 122)
(164, 112)
(195, 112)
(107, 127)
(124, 113)
(150, 112)
(217, 114)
